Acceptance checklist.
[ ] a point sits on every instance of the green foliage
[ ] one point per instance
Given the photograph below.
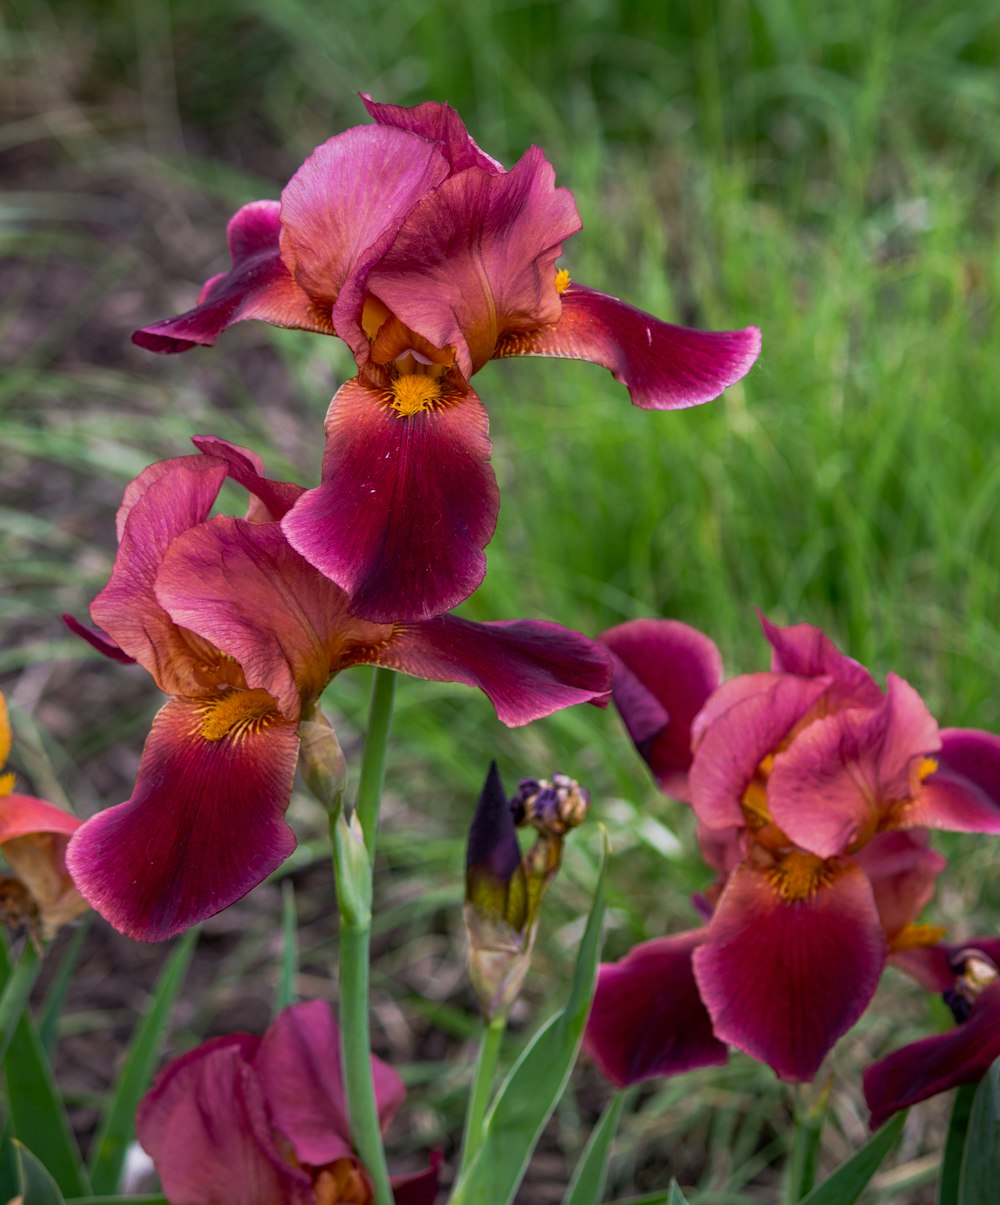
(37, 1187)
(590, 1176)
(850, 1180)
(954, 1147)
(981, 1160)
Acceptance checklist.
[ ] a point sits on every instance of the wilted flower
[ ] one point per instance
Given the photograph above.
(245, 635)
(504, 888)
(811, 787)
(428, 259)
(33, 838)
(265, 1120)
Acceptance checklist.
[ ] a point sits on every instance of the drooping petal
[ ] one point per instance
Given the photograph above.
(299, 1067)
(527, 668)
(204, 825)
(476, 258)
(647, 1018)
(808, 651)
(664, 367)
(23, 815)
(258, 285)
(441, 124)
(913, 1073)
(743, 722)
(847, 773)
(672, 666)
(97, 639)
(33, 836)
(407, 504)
(783, 978)
(268, 499)
(963, 793)
(902, 870)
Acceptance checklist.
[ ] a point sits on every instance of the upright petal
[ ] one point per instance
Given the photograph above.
(664, 367)
(963, 793)
(258, 285)
(784, 974)
(441, 124)
(677, 666)
(808, 651)
(204, 825)
(268, 499)
(407, 504)
(647, 1018)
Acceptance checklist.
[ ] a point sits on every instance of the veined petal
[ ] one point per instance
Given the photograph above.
(807, 651)
(664, 367)
(671, 667)
(475, 259)
(205, 824)
(647, 1018)
(441, 124)
(782, 977)
(963, 793)
(268, 499)
(300, 1070)
(407, 504)
(526, 667)
(257, 286)
(913, 1073)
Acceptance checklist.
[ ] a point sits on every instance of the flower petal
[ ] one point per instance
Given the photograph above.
(913, 1073)
(963, 794)
(300, 1070)
(407, 503)
(476, 258)
(664, 367)
(418, 1188)
(808, 651)
(22, 815)
(528, 668)
(203, 827)
(670, 666)
(647, 1018)
(97, 639)
(257, 286)
(268, 499)
(783, 979)
(902, 870)
(441, 124)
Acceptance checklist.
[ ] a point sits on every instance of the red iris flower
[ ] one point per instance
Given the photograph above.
(245, 634)
(261, 1120)
(428, 259)
(812, 788)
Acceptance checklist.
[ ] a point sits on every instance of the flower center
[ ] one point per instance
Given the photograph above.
(413, 392)
(237, 713)
(798, 875)
(343, 1182)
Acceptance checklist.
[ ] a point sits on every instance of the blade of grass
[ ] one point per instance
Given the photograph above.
(56, 996)
(289, 948)
(591, 1173)
(16, 991)
(954, 1146)
(850, 1180)
(37, 1186)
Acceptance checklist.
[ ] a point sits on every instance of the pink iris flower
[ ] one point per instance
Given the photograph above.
(262, 1120)
(428, 259)
(813, 789)
(244, 634)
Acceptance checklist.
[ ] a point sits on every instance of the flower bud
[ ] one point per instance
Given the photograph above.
(321, 761)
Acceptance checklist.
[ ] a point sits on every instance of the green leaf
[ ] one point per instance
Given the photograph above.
(590, 1176)
(16, 990)
(980, 1174)
(536, 1081)
(849, 1181)
(117, 1125)
(954, 1146)
(655, 1198)
(36, 1185)
(289, 949)
(676, 1197)
(48, 1023)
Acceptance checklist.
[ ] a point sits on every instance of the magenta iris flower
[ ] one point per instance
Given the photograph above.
(813, 788)
(244, 634)
(262, 1120)
(428, 259)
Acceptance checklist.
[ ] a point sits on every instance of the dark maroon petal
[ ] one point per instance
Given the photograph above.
(492, 853)
(783, 978)
(677, 666)
(930, 966)
(963, 794)
(476, 258)
(647, 1018)
(247, 468)
(438, 122)
(418, 1188)
(204, 825)
(206, 1127)
(407, 503)
(902, 870)
(913, 1073)
(743, 722)
(663, 367)
(808, 651)
(257, 286)
(299, 1067)
(97, 639)
(527, 668)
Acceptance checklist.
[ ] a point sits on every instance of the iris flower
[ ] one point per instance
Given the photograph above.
(244, 635)
(428, 259)
(262, 1120)
(813, 788)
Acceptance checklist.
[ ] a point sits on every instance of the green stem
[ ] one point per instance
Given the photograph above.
(374, 756)
(804, 1162)
(16, 991)
(482, 1089)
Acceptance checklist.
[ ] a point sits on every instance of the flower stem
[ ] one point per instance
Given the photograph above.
(353, 864)
(804, 1161)
(482, 1086)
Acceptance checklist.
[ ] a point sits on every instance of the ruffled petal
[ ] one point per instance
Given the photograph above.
(963, 794)
(441, 124)
(257, 286)
(476, 258)
(663, 668)
(913, 1073)
(902, 870)
(783, 978)
(647, 1018)
(268, 499)
(205, 823)
(407, 504)
(527, 668)
(808, 651)
(664, 367)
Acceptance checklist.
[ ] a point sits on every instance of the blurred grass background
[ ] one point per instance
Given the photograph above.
(827, 172)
